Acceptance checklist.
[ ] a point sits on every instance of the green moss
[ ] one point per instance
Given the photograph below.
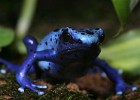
(10, 90)
(58, 92)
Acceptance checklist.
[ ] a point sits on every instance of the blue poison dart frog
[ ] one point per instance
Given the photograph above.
(58, 51)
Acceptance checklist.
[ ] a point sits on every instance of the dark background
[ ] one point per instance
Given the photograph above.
(51, 14)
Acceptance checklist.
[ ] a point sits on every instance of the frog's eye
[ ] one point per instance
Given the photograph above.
(56, 30)
(66, 37)
(97, 28)
(89, 32)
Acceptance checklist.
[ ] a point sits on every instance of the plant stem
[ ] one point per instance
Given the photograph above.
(24, 23)
(25, 18)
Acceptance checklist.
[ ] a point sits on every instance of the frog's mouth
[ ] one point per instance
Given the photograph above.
(75, 50)
(81, 49)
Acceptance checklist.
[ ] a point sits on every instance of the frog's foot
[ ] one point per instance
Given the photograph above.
(121, 88)
(3, 71)
(27, 83)
(39, 86)
(21, 89)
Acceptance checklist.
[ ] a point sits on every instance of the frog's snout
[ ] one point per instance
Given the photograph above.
(101, 36)
(100, 32)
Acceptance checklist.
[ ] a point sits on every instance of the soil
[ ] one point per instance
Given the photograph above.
(90, 86)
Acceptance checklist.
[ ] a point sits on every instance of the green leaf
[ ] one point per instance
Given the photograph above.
(124, 52)
(20, 46)
(133, 3)
(123, 9)
(6, 36)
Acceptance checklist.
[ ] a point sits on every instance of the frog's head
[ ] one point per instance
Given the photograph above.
(77, 40)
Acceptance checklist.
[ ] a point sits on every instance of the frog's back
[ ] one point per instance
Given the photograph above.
(50, 41)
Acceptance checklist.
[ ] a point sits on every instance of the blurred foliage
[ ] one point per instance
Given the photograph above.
(124, 52)
(24, 23)
(27, 12)
(29, 6)
(6, 36)
(123, 9)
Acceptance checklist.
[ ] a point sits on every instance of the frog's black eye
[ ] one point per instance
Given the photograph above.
(66, 37)
(56, 30)
(89, 32)
(97, 28)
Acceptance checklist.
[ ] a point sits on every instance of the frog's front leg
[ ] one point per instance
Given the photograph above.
(112, 74)
(30, 43)
(21, 75)
(33, 55)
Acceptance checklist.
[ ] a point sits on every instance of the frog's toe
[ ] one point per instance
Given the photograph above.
(134, 88)
(119, 92)
(121, 88)
(21, 89)
(35, 90)
(27, 83)
(40, 93)
(40, 86)
(3, 71)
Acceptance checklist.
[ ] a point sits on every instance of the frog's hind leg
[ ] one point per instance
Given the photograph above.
(97, 69)
(13, 67)
(112, 74)
(49, 69)
(30, 44)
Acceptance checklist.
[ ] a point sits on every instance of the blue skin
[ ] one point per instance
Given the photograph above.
(60, 48)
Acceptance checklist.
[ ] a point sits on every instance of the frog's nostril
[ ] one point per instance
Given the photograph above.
(97, 28)
(100, 32)
(102, 36)
(89, 32)
(65, 29)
